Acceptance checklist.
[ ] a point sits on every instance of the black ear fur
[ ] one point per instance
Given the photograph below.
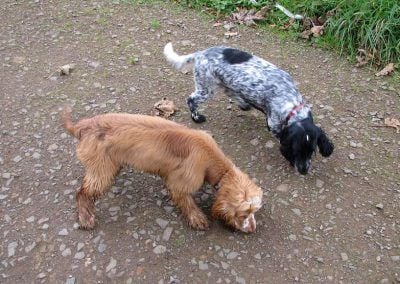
(324, 144)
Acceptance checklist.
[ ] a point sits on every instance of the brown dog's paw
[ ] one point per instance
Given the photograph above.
(86, 221)
(198, 222)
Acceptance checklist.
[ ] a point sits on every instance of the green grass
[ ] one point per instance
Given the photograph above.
(373, 25)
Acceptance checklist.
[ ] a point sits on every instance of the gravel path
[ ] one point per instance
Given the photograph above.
(338, 224)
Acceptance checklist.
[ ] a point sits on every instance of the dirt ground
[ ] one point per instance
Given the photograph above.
(339, 224)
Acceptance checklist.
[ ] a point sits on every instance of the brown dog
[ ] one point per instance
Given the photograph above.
(184, 157)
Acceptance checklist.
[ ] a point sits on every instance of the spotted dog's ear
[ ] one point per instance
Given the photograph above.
(324, 144)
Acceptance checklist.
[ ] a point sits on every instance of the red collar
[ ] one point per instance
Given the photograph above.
(293, 112)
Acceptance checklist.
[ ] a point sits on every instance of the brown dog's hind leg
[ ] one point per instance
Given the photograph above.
(95, 183)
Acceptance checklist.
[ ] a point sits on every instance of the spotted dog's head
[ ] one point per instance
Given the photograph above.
(299, 142)
(237, 200)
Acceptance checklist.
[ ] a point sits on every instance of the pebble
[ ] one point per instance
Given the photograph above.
(296, 211)
(224, 265)
(167, 234)
(270, 144)
(102, 247)
(319, 183)
(282, 187)
(6, 175)
(11, 248)
(63, 232)
(292, 237)
(41, 275)
(344, 256)
(232, 255)
(162, 223)
(66, 252)
(379, 206)
(111, 265)
(17, 159)
(30, 247)
(52, 147)
(160, 249)
(255, 142)
(70, 280)
(30, 219)
(79, 255)
(395, 257)
(203, 265)
(351, 156)
(257, 256)
(42, 220)
(80, 246)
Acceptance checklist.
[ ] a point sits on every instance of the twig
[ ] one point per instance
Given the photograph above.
(288, 13)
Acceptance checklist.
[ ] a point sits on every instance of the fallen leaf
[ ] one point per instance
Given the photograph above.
(66, 69)
(317, 31)
(248, 17)
(392, 122)
(217, 24)
(305, 34)
(386, 71)
(363, 57)
(164, 108)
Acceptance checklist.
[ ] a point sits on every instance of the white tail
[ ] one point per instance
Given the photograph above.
(179, 62)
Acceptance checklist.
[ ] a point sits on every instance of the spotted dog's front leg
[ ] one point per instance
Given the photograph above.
(192, 102)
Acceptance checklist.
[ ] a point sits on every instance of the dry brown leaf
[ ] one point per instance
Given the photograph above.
(386, 71)
(66, 69)
(363, 57)
(393, 122)
(317, 31)
(305, 34)
(248, 17)
(164, 108)
(217, 24)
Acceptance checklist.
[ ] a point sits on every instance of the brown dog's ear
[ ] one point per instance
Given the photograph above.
(220, 209)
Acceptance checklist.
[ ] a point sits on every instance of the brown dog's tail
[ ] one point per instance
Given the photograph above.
(67, 122)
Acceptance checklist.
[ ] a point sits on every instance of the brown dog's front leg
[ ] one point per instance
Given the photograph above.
(85, 207)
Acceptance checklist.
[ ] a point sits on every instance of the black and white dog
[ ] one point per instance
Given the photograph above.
(254, 82)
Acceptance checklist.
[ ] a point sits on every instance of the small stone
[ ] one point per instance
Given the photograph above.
(52, 147)
(162, 223)
(224, 265)
(114, 209)
(203, 265)
(30, 219)
(232, 255)
(296, 211)
(41, 275)
(70, 280)
(270, 144)
(353, 144)
(36, 155)
(351, 156)
(159, 249)
(130, 219)
(30, 247)
(80, 246)
(255, 142)
(319, 183)
(66, 252)
(167, 234)
(6, 175)
(379, 206)
(45, 226)
(17, 159)
(344, 256)
(111, 265)
(257, 256)
(42, 220)
(102, 247)
(79, 255)
(320, 259)
(292, 237)
(11, 248)
(395, 257)
(282, 187)
(63, 232)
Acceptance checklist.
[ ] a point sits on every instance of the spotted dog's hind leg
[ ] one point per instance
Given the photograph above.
(205, 85)
(243, 105)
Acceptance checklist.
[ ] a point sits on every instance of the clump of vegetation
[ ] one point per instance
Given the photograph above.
(349, 25)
